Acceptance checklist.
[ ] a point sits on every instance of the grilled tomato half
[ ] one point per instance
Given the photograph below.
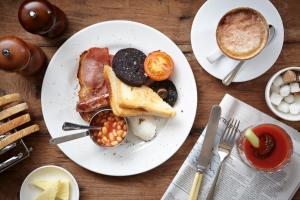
(158, 65)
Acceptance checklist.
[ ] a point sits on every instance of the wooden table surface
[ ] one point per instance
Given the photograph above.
(173, 18)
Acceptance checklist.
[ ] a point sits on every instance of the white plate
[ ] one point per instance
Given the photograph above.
(204, 41)
(59, 97)
(29, 191)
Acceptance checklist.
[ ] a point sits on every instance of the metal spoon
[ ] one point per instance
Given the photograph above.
(67, 126)
(231, 75)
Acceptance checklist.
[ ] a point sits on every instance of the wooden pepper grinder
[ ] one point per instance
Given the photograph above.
(19, 56)
(43, 18)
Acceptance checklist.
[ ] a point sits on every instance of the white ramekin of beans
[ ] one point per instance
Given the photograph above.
(113, 128)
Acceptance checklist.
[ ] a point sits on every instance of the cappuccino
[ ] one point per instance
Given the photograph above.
(242, 33)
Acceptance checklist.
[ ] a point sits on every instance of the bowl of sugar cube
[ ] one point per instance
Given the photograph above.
(283, 94)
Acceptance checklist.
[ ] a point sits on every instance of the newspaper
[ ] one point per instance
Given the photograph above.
(237, 180)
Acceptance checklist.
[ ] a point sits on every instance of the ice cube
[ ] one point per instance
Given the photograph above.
(295, 87)
(289, 99)
(274, 88)
(285, 90)
(278, 81)
(275, 98)
(294, 108)
(284, 107)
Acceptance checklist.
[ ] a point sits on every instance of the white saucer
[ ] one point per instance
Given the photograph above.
(204, 41)
(28, 191)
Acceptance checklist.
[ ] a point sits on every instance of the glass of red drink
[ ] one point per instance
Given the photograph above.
(274, 152)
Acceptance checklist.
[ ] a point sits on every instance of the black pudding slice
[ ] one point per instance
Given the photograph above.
(128, 64)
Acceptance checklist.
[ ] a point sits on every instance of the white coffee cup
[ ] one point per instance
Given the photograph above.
(237, 32)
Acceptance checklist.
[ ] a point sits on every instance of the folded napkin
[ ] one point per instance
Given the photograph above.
(237, 180)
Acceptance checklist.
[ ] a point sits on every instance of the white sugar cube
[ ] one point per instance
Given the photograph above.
(289, 99)
(285, 90)
(297, 99)
(295, 87)
(278, 81)
(284, 107)
(275, 98)
(295, 108)
(274, 88)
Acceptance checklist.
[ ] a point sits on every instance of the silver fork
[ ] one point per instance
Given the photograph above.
(224, 148)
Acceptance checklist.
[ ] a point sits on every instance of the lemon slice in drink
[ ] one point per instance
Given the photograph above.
(252, 138)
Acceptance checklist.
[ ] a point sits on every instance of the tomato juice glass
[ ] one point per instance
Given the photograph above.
(277, 158)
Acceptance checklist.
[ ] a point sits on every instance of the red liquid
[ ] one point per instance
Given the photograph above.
(279, 155)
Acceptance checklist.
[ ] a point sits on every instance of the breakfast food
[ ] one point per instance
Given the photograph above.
(158, 65)
(13, 110)
(166, 90)
(50, 193)
(122, 88)
(242, 33)
(144, 98)
(93, 93)
(9, 98)
(284, 92)
(5, 127)
(53, 189)
(128, 65)
(113, 131)
(113, 84)
(133, 101)
(18, 135)
(15, 121)
(143, 127)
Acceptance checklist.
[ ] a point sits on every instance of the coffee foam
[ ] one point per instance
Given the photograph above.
(242, 33)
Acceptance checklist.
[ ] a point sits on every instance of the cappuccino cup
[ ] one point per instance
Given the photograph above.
(241, 34)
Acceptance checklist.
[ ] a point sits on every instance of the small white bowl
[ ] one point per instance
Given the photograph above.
(28, 191)
(286, 116)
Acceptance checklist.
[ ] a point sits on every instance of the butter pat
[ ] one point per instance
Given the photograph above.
(43, 184)
(49, 193)
(63, 187)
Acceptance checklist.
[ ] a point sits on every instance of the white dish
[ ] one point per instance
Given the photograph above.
(204, 41)
(29, 191)
(59, 97)
(286, 116)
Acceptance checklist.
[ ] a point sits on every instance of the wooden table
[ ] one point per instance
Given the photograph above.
(173, 18)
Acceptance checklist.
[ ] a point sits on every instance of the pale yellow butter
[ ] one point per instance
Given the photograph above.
(63, 187)
(49, 193)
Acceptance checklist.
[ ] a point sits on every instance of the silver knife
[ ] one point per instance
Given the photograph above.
(206, 150)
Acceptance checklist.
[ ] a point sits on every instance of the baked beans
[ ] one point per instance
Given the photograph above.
(113, 131)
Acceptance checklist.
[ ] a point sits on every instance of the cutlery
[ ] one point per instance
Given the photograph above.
(206, 150)
(231, 75)
(68, 126)
(224, 148)
(66, 138)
